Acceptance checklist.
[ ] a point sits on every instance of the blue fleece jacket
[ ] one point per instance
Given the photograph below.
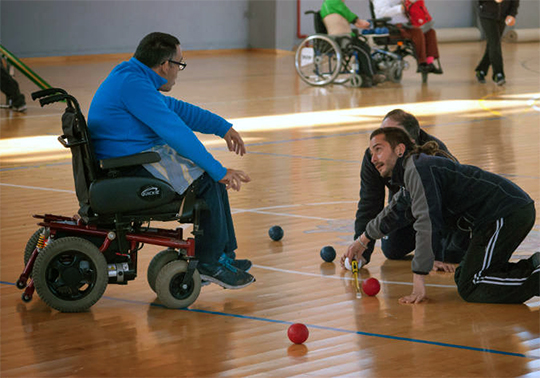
(129, 115)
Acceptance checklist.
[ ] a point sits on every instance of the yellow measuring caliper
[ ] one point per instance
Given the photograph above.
(354, 266)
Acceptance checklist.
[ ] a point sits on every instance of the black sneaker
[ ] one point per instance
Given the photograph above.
(367, 82)
(225, 276)
(481, 77)
(242, 264)
(18, 104)
(499, 79)
(434, 70)
(422, 67)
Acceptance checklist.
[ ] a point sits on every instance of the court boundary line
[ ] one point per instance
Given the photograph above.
(315, 326)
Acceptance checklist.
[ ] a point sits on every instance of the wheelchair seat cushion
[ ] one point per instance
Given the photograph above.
(131, 195)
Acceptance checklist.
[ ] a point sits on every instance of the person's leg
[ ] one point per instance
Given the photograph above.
(489, 28)
(229, 254)
(493, 30)
(417, 37)
(366, 66)
(486, 276)
(218, 236)
(432, 49)
(497, 59)
(10, 88)
(399, 243)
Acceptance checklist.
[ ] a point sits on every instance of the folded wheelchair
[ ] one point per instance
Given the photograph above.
(69, 261)
(322, 59)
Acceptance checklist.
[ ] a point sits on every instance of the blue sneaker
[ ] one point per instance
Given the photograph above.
(242, 264)
(225, 275)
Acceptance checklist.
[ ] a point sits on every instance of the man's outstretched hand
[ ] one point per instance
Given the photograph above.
(234, 179)
(235, 142)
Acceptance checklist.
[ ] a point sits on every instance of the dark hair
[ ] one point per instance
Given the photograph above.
(407, 120)
(395, 136)
(156, 48)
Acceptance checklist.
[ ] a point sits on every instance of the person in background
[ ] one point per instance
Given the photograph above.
(494, 16)
(424, 38)
(337, 18)
(10, 88)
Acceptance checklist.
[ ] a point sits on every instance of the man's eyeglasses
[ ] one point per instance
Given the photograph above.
(181, 65)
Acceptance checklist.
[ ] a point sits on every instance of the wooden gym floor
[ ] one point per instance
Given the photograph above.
(305, 148)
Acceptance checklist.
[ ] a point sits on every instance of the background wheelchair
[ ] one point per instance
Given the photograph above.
(70, 260)
(322, 59)
(396, 46)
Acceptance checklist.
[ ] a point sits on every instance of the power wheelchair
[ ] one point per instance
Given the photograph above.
(395, 45)
(322, 59)
(69, 261)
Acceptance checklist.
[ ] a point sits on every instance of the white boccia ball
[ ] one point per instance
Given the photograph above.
(348, 264)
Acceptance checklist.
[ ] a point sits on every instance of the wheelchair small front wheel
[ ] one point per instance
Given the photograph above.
(171, 290)
(70, 274)
(396, 72)
(158, 262)
(356, 81)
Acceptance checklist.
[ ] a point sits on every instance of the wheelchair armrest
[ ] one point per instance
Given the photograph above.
(131, 160)
(383, 19)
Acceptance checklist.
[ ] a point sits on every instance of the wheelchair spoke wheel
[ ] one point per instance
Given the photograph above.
(70, 274)
(169, 287)
(318, 60)
(157, 263)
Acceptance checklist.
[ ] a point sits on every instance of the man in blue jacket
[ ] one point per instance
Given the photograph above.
(129, 115)
(445, 194)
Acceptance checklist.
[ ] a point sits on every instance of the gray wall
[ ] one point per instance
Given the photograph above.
(74, 27)
(32, 28)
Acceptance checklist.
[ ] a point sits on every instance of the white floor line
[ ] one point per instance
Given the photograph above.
(339, 277)
(37, 188)
(238, 211)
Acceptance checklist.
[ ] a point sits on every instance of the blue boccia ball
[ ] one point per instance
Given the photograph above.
(275, 233)
(328, 253)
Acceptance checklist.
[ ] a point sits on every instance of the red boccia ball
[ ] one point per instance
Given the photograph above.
(371, 286)
(298, 333)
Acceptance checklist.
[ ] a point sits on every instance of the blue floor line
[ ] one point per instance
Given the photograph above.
(314, 326)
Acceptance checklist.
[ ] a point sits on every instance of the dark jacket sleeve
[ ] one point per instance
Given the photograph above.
(427, 211)
(397, 214)
(372, 194)
(513, 8)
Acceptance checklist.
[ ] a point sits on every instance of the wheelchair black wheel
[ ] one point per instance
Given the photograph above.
(31, 245)
(70, 274)
(318, 60)
(396, 72)
(157, 263)
(169, 288)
